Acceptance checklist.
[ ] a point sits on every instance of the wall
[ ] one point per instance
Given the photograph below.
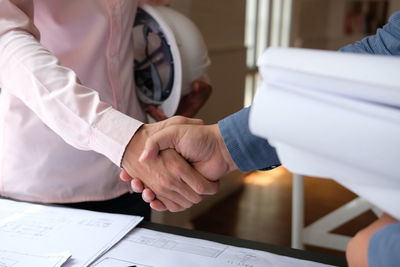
(319, 24)
(222, 25)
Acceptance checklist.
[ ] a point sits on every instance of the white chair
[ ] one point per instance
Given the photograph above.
(318, 233)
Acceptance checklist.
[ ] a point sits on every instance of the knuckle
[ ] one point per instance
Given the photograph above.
(214, 188)
(176, 167)
(179, 169)
(198, 199)
(188, 205)
(184, 204)
(158, 189)
(180, 209)
(167, 183)
(173, 208)
(179, 119)
(200, 189)
(163, 180)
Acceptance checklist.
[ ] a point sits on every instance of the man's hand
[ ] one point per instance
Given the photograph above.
(189, 105)
(168, 175)
(201, 145)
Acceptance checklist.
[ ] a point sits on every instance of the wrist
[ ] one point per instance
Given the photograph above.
(134, 146)
(230, 164)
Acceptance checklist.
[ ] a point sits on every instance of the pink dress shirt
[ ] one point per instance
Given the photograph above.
(62, 140)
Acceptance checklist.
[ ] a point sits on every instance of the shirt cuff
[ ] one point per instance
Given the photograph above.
(111, 134)
(249, 152)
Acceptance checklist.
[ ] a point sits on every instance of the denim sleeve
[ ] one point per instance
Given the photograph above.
(386, 41)
(384, 247)
(249, 152)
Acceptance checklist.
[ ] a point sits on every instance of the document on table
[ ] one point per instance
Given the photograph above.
(20, 259)
(334, 115)
(148, 248)
(48, 235)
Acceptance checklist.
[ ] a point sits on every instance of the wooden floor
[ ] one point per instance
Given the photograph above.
(261, 209)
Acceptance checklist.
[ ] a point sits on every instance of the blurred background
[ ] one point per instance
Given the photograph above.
(258, 205)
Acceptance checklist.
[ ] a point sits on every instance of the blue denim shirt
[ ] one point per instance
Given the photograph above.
(386, 41)
(384, 247)
(250, 152)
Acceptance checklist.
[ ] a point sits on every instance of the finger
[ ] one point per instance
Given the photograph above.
(170, 205)
(201, 83)
(159, 114)
(156, 113)
(169, 185)
(137, 185)
(148, 195)
(157, 205)
(124, 176)
(200, 86)
(174, 197)
(198, 183)
(190, 184)
(196, 86)
(187, 192)
(166, 137)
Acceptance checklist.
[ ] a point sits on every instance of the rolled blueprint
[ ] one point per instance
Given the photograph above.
(334, 115)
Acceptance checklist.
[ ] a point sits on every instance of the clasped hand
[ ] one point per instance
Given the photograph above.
(181, 185)
(168, 175)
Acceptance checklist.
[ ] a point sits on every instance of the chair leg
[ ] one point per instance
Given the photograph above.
(297, 211)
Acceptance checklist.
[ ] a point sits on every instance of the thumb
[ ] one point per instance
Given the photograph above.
(166, 137)
(161, 140)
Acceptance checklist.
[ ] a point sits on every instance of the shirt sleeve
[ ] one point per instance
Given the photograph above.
(386, 41)
(31, 73)
(249, 152)
(384, 247)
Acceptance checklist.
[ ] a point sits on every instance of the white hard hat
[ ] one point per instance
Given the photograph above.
(170, 54)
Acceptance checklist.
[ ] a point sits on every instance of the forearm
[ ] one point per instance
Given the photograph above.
(33, 75)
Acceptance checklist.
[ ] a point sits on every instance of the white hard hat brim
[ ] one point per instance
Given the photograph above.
(170, 105)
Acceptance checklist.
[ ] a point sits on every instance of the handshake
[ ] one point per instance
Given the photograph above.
(175, 162)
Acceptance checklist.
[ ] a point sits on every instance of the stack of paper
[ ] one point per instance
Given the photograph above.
(334, 115)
